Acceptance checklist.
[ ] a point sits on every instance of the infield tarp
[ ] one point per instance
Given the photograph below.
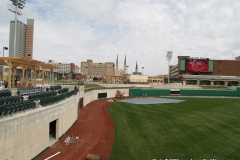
(150, 100)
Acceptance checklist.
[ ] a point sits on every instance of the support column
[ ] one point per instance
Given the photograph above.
(184, 82)
(23, 74)
(13, 77)
(9, 74)
(211, 83)
(52, 76)
(226, 83)
(43, 73)
(198, 82)
(34, 77)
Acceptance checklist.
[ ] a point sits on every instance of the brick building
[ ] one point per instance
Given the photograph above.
(205, 71)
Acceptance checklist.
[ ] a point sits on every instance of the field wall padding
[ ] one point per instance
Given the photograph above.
(194, 92)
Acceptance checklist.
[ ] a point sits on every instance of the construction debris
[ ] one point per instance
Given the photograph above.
(71, 139)
(94, 157)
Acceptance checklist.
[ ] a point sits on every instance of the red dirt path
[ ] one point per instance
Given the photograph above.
(95, 129)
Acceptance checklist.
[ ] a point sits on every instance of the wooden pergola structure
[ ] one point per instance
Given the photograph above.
(25, 63)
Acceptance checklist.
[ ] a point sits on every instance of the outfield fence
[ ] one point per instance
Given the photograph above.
(183, 92)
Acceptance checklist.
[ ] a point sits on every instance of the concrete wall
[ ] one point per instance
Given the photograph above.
(93, 95)
(25, 135)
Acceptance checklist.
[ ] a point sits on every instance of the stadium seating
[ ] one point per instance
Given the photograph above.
(39, 95)
(10, 99)
(27, 91)
(5, 93)
(9, 109)
(56, 87)
(63, 90)
(55, 99)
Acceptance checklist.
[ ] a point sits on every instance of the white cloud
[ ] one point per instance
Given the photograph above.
(144, 30)
(89, 7)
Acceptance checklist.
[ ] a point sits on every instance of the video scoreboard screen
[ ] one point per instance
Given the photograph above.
(196, 65)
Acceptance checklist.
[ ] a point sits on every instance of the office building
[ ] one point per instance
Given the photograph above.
(97, 70)
(24, 39)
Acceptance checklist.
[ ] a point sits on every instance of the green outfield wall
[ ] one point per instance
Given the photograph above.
(148, 92)
(197, 92)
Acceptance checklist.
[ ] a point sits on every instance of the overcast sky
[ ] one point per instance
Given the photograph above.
(72, 31)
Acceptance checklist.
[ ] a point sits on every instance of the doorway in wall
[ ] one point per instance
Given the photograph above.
(52, 132)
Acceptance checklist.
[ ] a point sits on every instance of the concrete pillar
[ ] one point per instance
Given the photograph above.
(226, 83)
(211, 83)
(184, 82)
(198, 82)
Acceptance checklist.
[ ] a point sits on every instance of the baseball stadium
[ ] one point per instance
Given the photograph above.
(121, 122)
(73, 120)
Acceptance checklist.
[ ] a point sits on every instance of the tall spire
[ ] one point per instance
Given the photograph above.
(136, 69)
(125, 65)
(117, 65)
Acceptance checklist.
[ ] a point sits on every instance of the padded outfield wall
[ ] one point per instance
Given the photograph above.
(197, 92)
(148, 92)
(25, 135)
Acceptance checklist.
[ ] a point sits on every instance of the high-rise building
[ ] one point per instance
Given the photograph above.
(24, 39)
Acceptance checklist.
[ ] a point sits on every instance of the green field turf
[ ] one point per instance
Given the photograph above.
(196, 128)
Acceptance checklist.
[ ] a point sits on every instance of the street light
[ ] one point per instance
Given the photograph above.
(4, 48)
(142, 70)
(169, 57)
(16, 7)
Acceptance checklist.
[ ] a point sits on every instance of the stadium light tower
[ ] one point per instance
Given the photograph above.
(169, 57)
(16, 7)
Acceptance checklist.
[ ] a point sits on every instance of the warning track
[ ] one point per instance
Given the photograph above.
(95, 129)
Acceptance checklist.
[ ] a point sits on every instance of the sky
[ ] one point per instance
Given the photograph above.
(72, 31)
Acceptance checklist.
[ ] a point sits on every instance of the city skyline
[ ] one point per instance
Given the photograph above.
(142, 30)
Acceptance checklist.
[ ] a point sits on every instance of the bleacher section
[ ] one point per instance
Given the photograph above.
(36, 96)
(9, 109)
(10, 99)
(63, 90)
(27, 98)
(5, 93)
(27, 91)
(54, 99)
(56, 87)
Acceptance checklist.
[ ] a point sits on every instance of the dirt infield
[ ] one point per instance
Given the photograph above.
(95, 129)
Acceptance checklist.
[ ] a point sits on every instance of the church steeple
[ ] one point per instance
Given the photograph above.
(125, 65)
(116, 64)
(136, 69)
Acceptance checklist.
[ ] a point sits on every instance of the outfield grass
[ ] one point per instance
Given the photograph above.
(89, 86)
(216, 87)
(196, 128)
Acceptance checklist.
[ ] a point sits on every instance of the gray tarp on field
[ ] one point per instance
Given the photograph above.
(150, 100)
